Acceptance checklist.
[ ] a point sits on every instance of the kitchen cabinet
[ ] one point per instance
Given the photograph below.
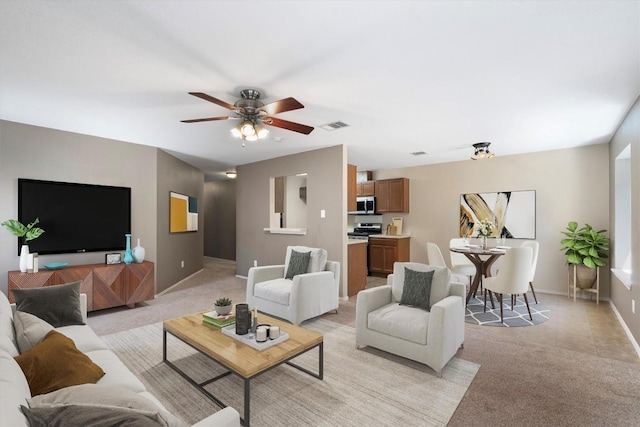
(392, 195)
(351, 187)
(366, 188)
(384, 251)
(357, 271)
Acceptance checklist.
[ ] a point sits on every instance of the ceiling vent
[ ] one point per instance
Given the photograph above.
(419, 153)
(334, 125)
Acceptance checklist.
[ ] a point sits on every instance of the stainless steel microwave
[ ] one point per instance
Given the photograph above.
(365, 206)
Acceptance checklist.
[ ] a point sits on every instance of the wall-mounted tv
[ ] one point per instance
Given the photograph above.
(76, 217)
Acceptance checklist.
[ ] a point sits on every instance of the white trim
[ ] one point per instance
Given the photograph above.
(623, 277)
(634, 343)
(301, 231)
(241, 277)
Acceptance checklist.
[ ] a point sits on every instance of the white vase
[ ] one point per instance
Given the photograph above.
(24, 258)
(138, 253)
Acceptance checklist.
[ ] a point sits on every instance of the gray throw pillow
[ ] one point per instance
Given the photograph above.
(75, 415)
(58, 305)
(30, 330)
(416, 289)
(298, 264)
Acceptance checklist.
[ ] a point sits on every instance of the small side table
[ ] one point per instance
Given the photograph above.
(572, 279)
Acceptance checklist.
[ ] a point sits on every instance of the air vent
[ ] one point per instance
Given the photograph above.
(334, 125)
(419, 153)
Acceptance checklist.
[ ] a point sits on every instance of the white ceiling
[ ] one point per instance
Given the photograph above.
(433, 76)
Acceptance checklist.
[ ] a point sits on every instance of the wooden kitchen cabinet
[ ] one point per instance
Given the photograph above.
(392, 195)
(384, 251)
(352, 177)
(366, 188)
(357, 271)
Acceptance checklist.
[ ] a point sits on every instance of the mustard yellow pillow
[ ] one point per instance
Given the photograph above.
(56, 363)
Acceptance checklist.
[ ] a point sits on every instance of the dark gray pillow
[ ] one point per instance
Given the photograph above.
(58, 305)
(77, 415)
(298, 264)
(416, 290)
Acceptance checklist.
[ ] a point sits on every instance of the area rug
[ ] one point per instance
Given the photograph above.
(518, 317)
(360, 387)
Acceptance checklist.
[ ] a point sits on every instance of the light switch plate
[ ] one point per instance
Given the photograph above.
(323, 213)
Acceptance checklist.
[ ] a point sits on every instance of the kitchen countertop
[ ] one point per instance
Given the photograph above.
(386, 236)
(355, 241)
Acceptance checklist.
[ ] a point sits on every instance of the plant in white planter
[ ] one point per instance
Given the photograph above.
(25, 233)
(585, 248)
(223, 306)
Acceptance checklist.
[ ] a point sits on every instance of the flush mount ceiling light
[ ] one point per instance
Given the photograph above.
(231, 174)
(482, 151)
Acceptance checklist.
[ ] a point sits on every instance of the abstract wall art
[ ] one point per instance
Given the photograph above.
(183, 213)
(513, 213)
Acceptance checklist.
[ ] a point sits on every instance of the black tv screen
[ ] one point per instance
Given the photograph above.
(75, 217)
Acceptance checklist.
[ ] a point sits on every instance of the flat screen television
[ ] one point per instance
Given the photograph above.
(76, 217)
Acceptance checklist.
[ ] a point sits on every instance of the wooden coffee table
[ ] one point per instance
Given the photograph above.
(239, 358)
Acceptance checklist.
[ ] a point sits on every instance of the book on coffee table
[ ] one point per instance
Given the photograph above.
(214, 319)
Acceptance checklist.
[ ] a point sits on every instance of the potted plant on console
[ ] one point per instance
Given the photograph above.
(586, 249)
(26, 233)
(223, 306)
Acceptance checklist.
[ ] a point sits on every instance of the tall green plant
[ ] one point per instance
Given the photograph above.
(585, 245)
(26, 233)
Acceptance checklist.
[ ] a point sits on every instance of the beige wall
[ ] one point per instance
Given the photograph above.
(570, 184)
(326, 189)
(49, 154)
(628, 134)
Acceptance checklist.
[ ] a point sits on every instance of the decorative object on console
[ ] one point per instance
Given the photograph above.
(113, 258)
(138, 253)
(26, 233)
(128, 254)
(55, 265)
(223, 306)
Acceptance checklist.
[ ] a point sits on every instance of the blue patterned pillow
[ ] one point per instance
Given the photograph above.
(416, 290)
(298, 264)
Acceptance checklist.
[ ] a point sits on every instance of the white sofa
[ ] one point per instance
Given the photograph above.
(300, 298)
(14, 389)
(430, 337)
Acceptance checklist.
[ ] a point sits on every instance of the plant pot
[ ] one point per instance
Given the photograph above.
(223, 309)
(585, 276)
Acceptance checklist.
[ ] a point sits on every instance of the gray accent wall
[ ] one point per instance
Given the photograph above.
(220, 219)
(176, 248)
(326, 189)
(628, 134)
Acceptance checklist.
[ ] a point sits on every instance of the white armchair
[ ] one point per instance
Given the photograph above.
(301, 297)
(430, 337)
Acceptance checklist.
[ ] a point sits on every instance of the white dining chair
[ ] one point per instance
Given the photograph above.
(434, 257)
(460, 264)
(535, 247)
(512, 279)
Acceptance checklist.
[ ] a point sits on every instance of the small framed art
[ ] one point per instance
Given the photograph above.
(113, 258)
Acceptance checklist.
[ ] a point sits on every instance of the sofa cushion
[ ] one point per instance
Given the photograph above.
(277, 290)
(14, 390)
(95, 395)
(30, 330)
(298, 264)
(55, 363)
(8, 341)
(440, 284)
(416, 290)
(317, 259)
(78, 415)
(58, 305)
(400, 321)
(84, 337)
(116, 373)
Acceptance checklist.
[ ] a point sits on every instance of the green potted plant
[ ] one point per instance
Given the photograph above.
(25, 233)
(223, 305)
(585, 248)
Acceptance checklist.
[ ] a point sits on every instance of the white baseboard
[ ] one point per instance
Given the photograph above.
(634, 343)
(241, 277)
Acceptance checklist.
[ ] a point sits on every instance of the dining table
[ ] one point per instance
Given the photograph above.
(482, 259)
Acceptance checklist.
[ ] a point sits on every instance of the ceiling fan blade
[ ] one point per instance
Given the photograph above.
(208, 119)
(282, 105)
(214, 100)
(285, 124)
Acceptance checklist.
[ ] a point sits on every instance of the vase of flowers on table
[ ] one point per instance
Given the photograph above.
(485, 229)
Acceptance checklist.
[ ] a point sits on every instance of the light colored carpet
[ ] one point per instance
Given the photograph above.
(360, 387)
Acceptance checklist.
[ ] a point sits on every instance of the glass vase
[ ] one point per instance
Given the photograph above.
(484, 243)
(128, 255)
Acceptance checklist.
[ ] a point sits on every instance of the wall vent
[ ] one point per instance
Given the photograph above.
(334, 125)
(419, 153)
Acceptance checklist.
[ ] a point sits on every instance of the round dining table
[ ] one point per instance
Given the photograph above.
(483, 259)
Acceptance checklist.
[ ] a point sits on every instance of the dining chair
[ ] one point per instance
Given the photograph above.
(460, 264)
(512, 279)
(535, 246)
(434, 257)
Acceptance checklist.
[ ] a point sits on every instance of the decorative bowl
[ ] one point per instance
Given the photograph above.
(56, 265)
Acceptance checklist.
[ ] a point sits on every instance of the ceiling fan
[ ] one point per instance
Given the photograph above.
(253, 113)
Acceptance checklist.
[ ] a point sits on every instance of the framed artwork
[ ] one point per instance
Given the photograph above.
(512, 212)
(183, 213)
(113, 258)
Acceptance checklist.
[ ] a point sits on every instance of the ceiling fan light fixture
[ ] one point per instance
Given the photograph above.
(236, 132)
(262, 132)
(247, 128)
(481, 151)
